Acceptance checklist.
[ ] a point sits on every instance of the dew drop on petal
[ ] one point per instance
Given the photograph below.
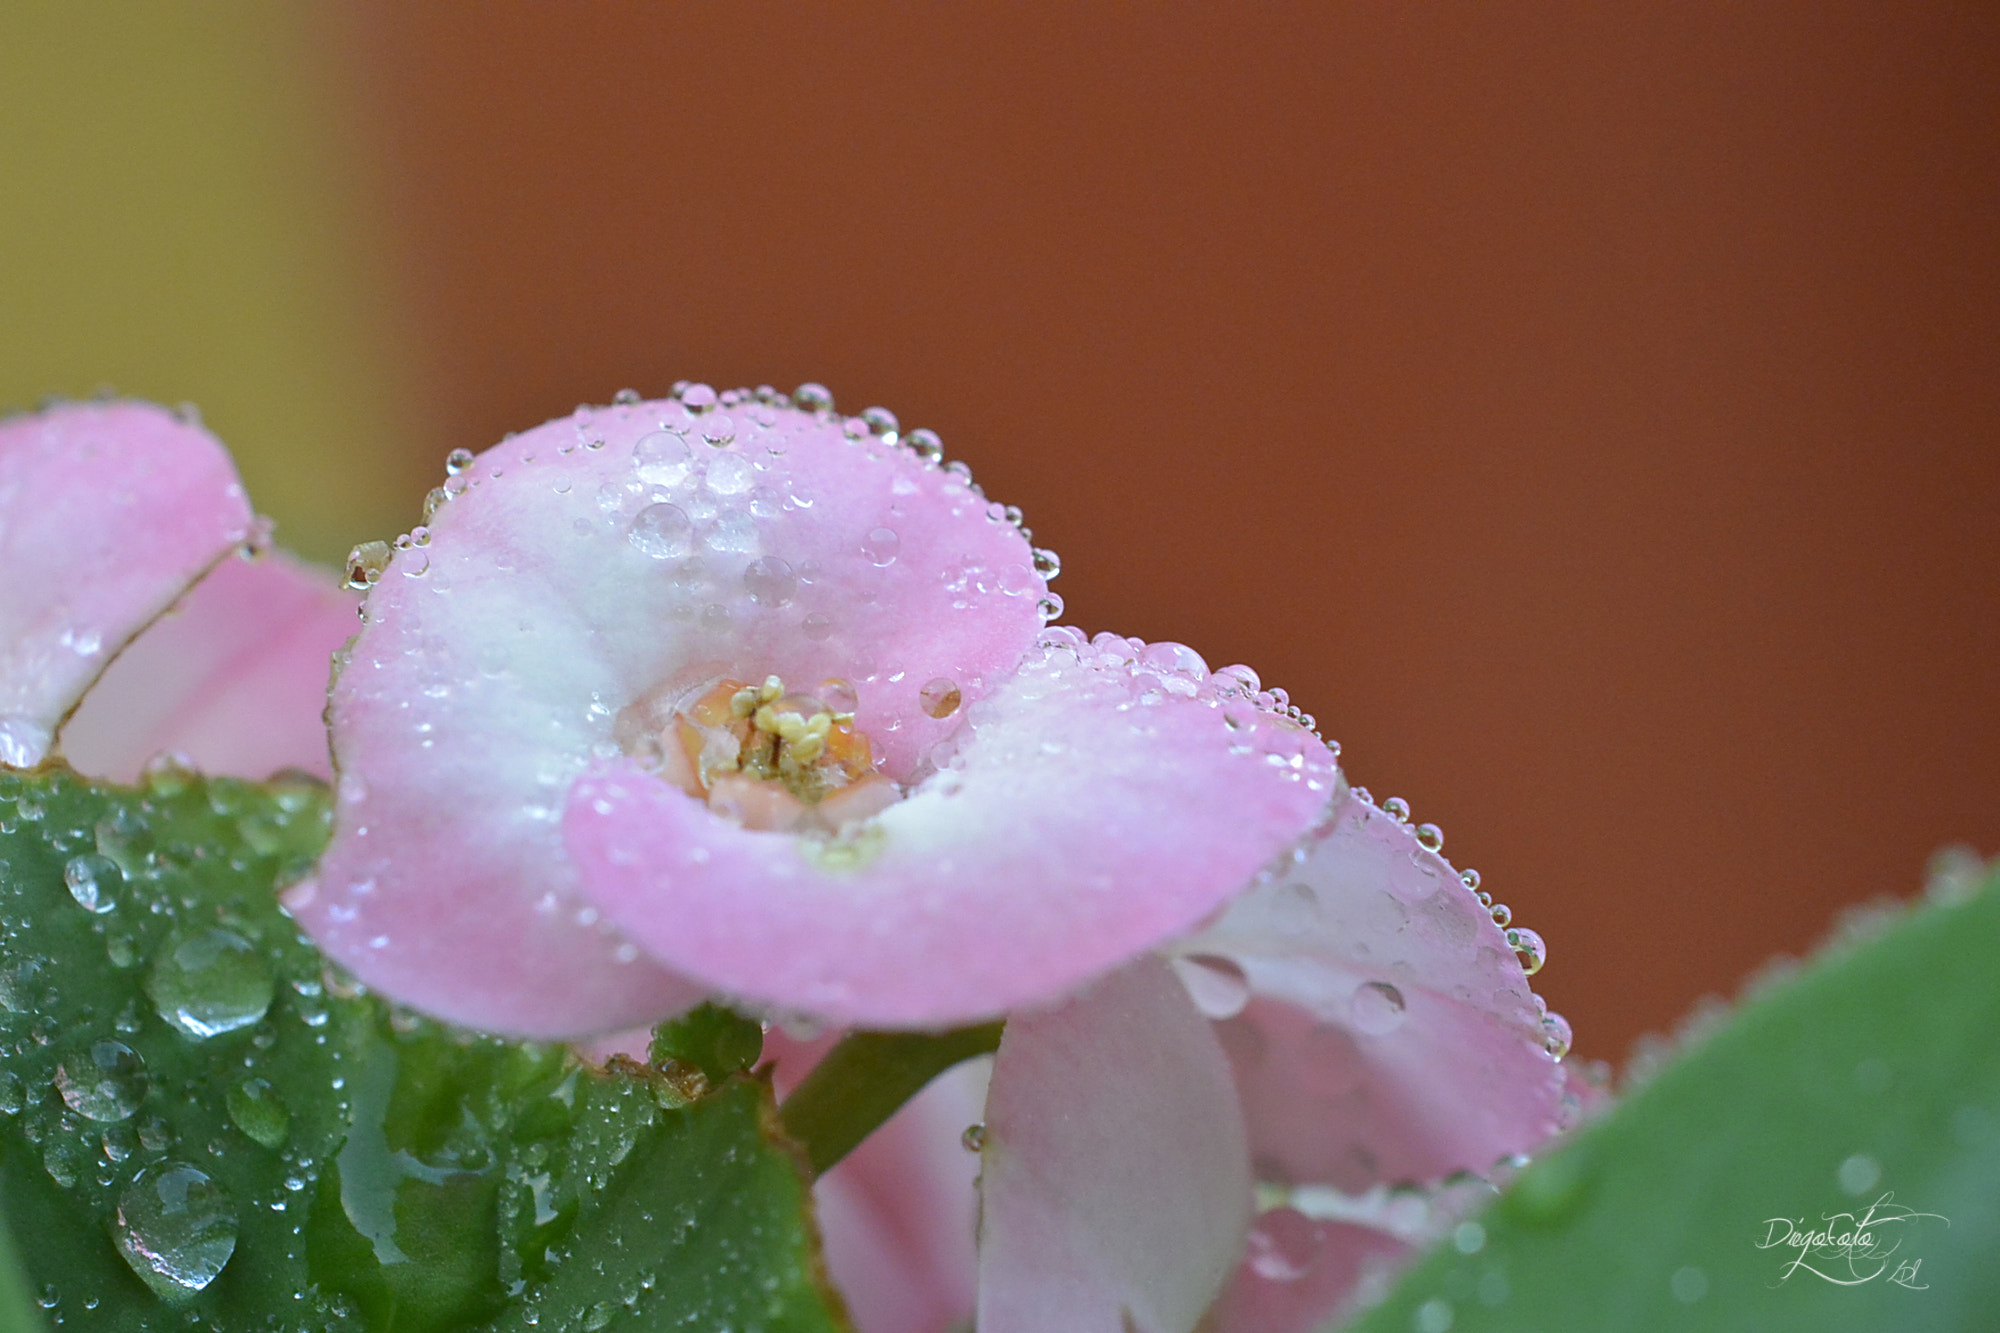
(817, 627)
(1531, 948)
(662, 531)
(698, 397)
(770, 581)
(940, 697)
(1282, 1245)
(1375, 1008)
(1216, 984)
(1556, 1035)
(104, 1081)
(662, 458)
(926, 443)
(974, 1138)
(1430, 837)
(93, 881)
(838, 694)
(730, 474)
(1396, 808)
(880, 546)
(810, 397)
(457, 461)
(176, 1228)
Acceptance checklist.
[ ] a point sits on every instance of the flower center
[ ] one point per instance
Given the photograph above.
(761, 755)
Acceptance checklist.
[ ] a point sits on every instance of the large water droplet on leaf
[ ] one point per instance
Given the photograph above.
(104, 1081)
(93, 881)
(176, 1228)
(210, 983)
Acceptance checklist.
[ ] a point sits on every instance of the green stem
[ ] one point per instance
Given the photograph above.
(865, 1078)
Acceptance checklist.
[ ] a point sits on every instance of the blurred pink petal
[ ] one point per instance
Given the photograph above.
(1116, 1184)
(234, 677)
(1390, 1034)
(108, 511)
(898, 1214)
(1094, 805)
(1297, 1272)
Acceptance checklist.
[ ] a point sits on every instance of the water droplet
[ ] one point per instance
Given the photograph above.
(210, 983)
(662, 458)
(1859, 1174)
(1469, 878)
(1500, 912)
(1375, 1008)
(1534, 952)
(12, 1095)
(1468, 1238)
(1047, 563)
(698, 397)
(1217, 985)
(1556, 1034)
(1688, 1284)
(1430, 837)
(973, 1139)
(880, 546)
(940, 697)
(93, 881)
(811, 397)
(927, 444)
(455, 462)
(1050, 607)
(817, 627)
(838, 694)
(1433, 1316)
(626, 398)
(662, 531)
(1395, 807)
(1283, 1243)
(176, 1228)
(105, 1082)
(770, 581)
(719, 429)
(257, 1110)
(730, 474)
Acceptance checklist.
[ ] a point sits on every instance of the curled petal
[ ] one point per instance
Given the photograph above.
(108, 511)
(586, 567)
(234, 677)
(1115, 1189)
(1389, 1034)
(1095, 805)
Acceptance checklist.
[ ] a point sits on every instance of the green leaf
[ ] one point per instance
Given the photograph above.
(710, 1038)
(202, 1122)
(864, 1079)
(1870, 1081)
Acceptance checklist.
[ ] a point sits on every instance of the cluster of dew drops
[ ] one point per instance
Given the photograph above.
(662, 528)
(104, 1131)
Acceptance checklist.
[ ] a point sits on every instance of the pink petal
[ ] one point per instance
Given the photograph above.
(108, 511)
(1298, 1274)
(234, 677)
(898, 1214)
(558, 588)
(1115, 1185)
(1389, 1034)
(1096, 804)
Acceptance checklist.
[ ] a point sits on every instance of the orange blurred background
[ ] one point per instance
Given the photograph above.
(1589, 413)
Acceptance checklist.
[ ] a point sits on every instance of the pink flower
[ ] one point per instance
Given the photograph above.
(119, 522)
(728, 695)
(701, 696)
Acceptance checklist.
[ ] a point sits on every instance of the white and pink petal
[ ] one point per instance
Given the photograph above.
(108, 512)
(1102, 800)
(582, 568)
(233, 677)
(1115, 1190)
